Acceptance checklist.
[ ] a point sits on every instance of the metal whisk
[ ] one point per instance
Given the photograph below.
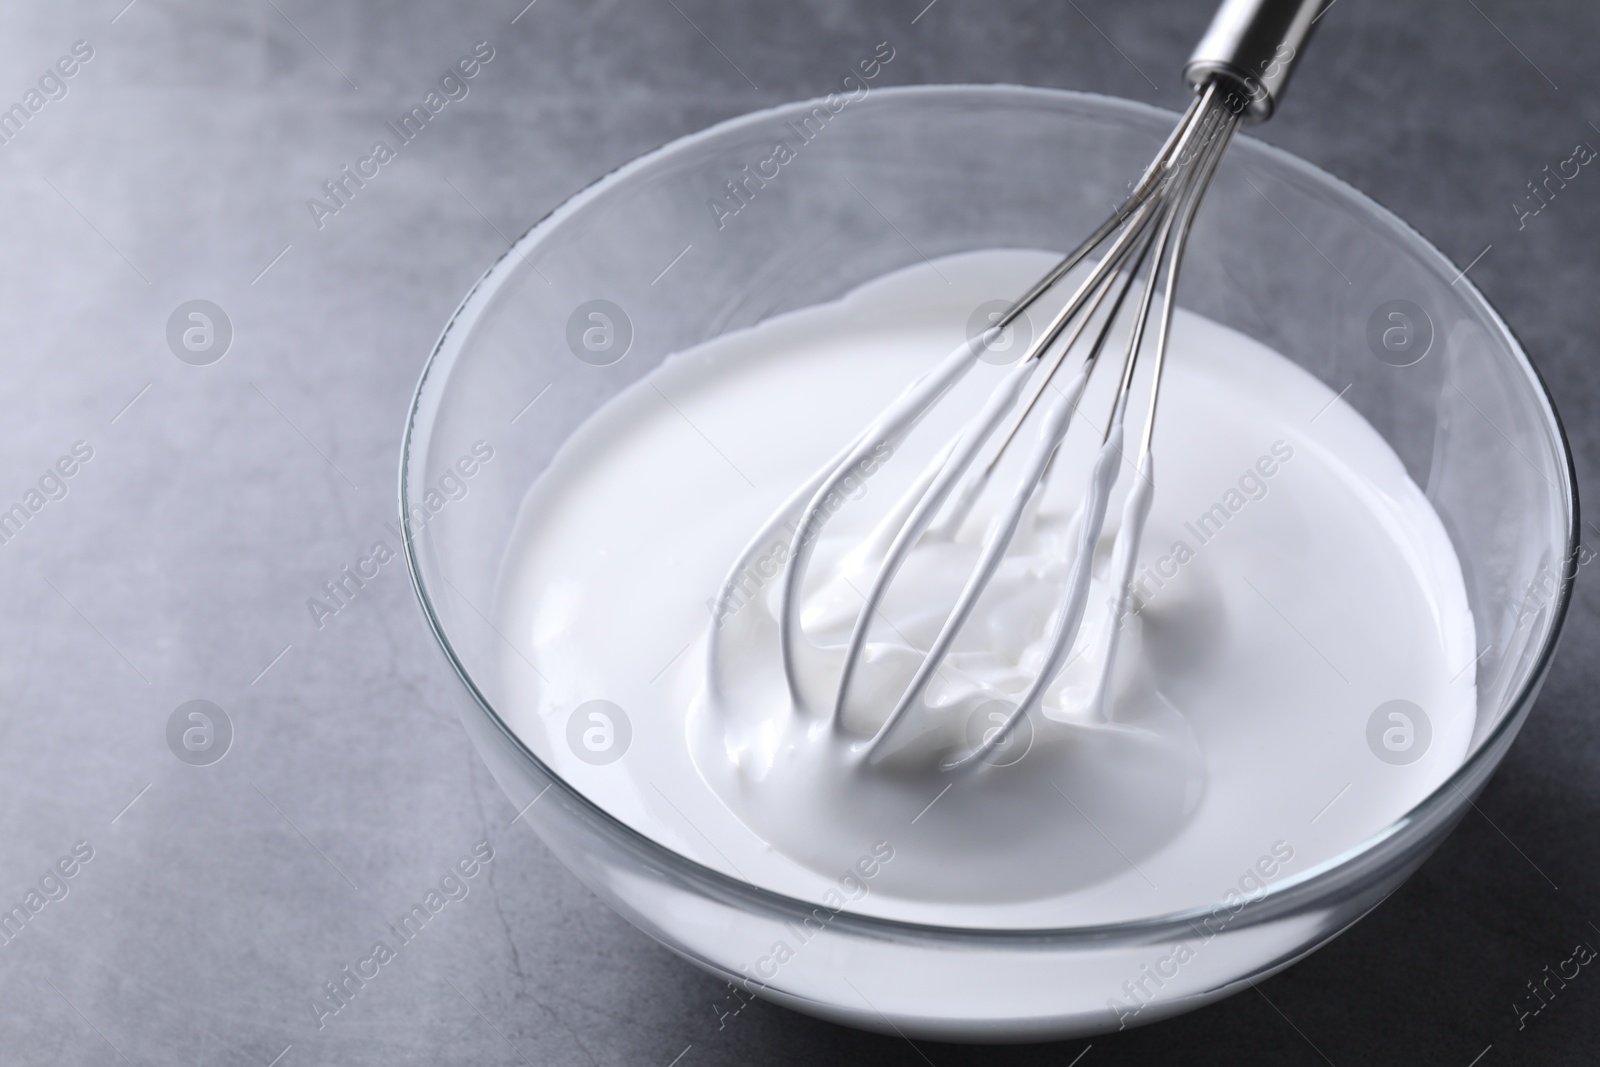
(1238, 70)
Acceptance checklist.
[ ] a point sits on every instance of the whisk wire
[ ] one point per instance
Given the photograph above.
(1145, 236)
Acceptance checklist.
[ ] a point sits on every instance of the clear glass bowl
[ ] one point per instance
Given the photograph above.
(1282, 252)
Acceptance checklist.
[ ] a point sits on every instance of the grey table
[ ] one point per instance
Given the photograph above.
(175, 563)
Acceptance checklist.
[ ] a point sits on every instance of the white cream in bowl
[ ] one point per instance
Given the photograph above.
(1293, 583)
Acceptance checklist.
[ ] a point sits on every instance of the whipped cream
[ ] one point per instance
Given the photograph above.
(1291, 579)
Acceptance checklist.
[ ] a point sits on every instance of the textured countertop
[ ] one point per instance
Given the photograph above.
(174, 563)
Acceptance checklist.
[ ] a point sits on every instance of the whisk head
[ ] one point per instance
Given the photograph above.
(1144, 238)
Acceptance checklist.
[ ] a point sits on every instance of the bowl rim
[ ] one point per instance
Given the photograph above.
(1438, 809)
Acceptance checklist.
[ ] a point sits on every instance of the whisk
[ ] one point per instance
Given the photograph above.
(1239, 71)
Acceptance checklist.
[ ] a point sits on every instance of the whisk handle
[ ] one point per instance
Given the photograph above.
(1252, 47)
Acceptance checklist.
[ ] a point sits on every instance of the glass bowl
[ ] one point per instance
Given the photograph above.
(714, 233)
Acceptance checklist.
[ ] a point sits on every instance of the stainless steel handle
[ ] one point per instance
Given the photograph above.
(1254, 44)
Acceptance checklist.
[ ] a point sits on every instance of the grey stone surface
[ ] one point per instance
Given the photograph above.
(219, 497)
